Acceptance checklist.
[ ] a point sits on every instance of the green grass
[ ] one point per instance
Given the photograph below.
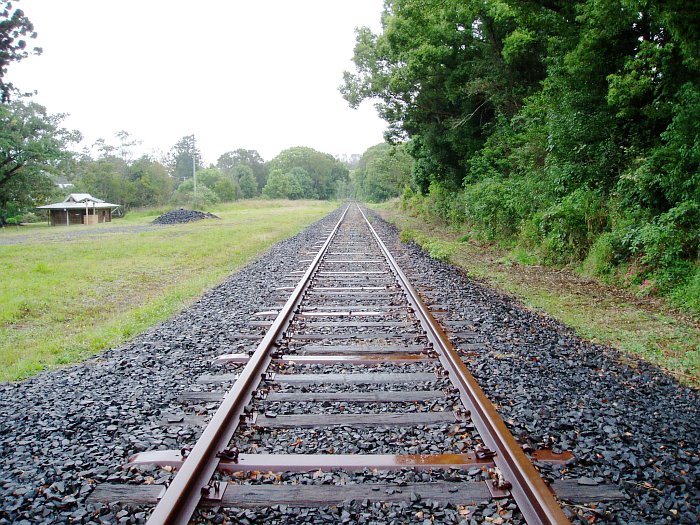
(649, 329)
(65, 297)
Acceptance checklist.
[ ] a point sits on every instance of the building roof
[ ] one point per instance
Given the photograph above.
(79, 201)
(81, 197)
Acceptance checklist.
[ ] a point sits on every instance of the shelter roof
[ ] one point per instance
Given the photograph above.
(81, 197)
(79, 201)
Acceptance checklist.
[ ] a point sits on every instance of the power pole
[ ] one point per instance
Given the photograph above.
(194, 169)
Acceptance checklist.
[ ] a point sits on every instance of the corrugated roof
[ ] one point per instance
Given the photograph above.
(79, 201)
(81, 197)
(78, 206)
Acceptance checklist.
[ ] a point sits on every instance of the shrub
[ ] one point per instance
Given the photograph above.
(687, 295)
(601, 258)
(569, 228)
(439, 250)
(499, 208)
(31, 217)
(446, 205)
(489, 208)
(671, 236)
(407, 236)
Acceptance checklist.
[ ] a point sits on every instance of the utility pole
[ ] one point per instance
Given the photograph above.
(194, 169)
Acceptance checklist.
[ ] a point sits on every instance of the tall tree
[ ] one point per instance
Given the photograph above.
(15, 29)
(246, 180)
(184, 157)
(126, 143)
(443, 71)
(152, 185)
(246, 157)
(33, 145)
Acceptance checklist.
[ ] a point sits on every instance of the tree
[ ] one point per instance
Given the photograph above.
(278, 185)
(15, 29)
(126, 142)
(227, 190)
(224, 187)
(383, 172)
(246, 181)
(184, 196)
(569, 126)
(324, 170)
(152, 184)
(32, 147)
(442, 71)
(183, 157)
(244, 157)
(104, 179)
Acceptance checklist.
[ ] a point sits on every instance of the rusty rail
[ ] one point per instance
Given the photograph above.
(192, 481)
(534, 498)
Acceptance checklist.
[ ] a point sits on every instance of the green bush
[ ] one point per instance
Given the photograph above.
(446, 205)
(663, 250)
(491, 206)
(601, 258)
(687, 295)
(671, 236)
(31, 217)
(569, 228)
(407, 236)
(184, 196)
(499, 208)
(439, 250)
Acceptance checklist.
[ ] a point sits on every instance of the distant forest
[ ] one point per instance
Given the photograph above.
(567, 128)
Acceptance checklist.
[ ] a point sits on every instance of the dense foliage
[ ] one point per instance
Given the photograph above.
(240, 163)
(382, 172)
(32, 147)
(144, 182)
(15, 30)
(112, 176)
(571, 128)
(305, 173)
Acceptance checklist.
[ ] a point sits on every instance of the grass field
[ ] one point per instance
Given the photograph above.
(67, 293)
(645, 327)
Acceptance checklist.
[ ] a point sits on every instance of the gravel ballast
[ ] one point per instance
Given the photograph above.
(628, 423)
(181, 216)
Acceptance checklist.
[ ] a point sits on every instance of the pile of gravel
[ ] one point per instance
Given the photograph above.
(182, 216)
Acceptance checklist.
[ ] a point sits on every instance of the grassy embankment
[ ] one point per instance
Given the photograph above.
(68, 293)
(645, 327)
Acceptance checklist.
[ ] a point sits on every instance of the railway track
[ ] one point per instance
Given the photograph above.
(351, 348)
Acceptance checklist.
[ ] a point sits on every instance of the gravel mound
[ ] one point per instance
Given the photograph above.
(182, 216)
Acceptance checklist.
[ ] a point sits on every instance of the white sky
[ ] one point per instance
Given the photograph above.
(253, 74)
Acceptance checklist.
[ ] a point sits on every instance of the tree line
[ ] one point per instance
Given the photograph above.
(35, 154)
(569, 128)
(38, 164)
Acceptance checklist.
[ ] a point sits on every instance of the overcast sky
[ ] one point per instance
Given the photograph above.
(253, 74)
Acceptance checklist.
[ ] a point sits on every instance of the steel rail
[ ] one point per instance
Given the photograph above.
(534, 499)
(192, 480)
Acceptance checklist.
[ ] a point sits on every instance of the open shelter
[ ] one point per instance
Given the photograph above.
(79, 208)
